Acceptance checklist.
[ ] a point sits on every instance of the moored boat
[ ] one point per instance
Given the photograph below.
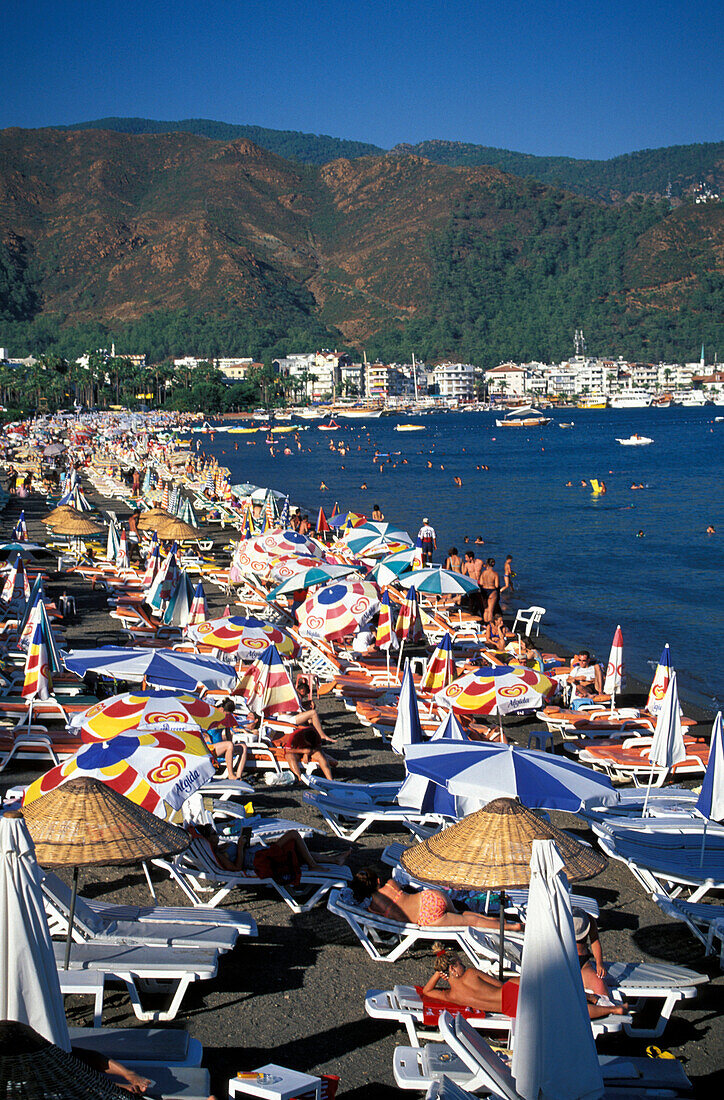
(524, 418)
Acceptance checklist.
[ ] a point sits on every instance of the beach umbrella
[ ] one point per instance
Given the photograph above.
(122, 561)
(346, 519)
(277, 544)
(38, 617)
(667, 744)
(322, 524)
(390, 568)
(53, 449)
(86, 822)
(56, 513)
(172, 527)
(710, 802)
(29, 985)
(409, 623)
(160, 667)
(157, 770)
(267, 686)
(147, 480)
(309, 576)
(498, 689)
(165, 497)
(199, 612)
(75, 524)
(178, 609)
(440, 669)
(554, 1056)
(408, 730)
(250, 558)
(441, 582)
(281, 569)
(614, 669)
(379, 529)
(152, 566)
(173, 502)
(77, 500)
(361, 540)
(16, 590)
(113, 542)
(187, 514)
(164, 581)
(37, 683)
(34, 1069)
(491, 850)
(484, 770)
(284, 514)
(383, 637)
(338, 609)
(151, 517)
(660, 682)
(427, 797)
(20, 530)
(144, 711)
(37, 592)
(246, 637)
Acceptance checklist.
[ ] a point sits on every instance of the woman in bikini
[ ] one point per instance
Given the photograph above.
(489, 590)
(428, 908)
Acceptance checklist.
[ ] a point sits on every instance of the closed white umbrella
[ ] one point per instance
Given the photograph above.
(554, 1057)
(667, 744)
(29, 986)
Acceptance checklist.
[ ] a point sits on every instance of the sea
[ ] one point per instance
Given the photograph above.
(639, 558)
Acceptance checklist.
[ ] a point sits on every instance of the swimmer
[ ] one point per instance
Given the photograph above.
(363, 485)
(429, 465)
(584, 484)
(569, 484)
(710, 530)
(639, 535)
(323, 486)
(457, 481)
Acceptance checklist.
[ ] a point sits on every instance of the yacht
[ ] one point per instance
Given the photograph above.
(691, 398)
(524, 418)
(630, 399)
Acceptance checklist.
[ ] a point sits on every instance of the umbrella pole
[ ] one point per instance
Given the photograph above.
(703, 844)
(501, 946)
(648, 790)
(71, 918)
(399, 660)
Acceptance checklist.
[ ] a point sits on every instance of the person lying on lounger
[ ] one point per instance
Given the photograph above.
(243, 855)
(428, 908)
(303, 744)
(474, 989)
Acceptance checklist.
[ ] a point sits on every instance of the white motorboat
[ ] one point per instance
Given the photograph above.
(409, 427)
(524, 418)
(635, 440)
(630, 399)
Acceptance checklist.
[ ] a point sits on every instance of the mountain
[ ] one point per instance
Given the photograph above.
(650, 172)
(171, 243)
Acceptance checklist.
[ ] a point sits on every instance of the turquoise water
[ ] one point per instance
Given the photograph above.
(575, 554)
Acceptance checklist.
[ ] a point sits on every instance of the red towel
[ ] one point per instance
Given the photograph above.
(431, 1009)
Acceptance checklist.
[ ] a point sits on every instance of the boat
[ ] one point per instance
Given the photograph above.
(568, 424)
(691, 398)
(524, 418)
(409, 427)
(635, 440)
(359, 414)
(630, 399)
(592, 401)
(662, 402)
(332, 426)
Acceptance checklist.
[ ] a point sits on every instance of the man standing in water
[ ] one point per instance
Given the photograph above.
(428, 540)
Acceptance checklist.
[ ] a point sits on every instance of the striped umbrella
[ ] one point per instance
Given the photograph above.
(144, 711)
(495, 690)
(247, 637)
(409, 622)
(37, 683)
(186, 512)
(440, 669)
(147, 480)
(250, 557)
(408, 730)
(614, 670)
(346, 519)
(267, 687)
(322, 525)
(164, 582)
(284, 516)
(282, 569)
(178, 608)
(308, 576)
(199, 612)
(112, 542)
(441, 582)
(20, 531)
(374, 546)
(37, 594)
(16, 591)
(39, 617)
(660, 682)
(269, 516)
(173, 500)
(390, 568)
(165, 497)
(209, 483)
(152, 566)
(289, 542)
(383, 637)
(338, 609)
(160, 667)
(76, 499)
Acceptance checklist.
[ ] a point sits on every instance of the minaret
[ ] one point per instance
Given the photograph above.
(701, 364)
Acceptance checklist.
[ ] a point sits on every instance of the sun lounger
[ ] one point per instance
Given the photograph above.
(170, 969)
(639, 984)
(196, 870)
(706, 922)
(140, 1045)
(486, 1070)
(663, 867)
(350, 813)
(386, 940)
(404, 1006)
(174, 1082)
(92, 927)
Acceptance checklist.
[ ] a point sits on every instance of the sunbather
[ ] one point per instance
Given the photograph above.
(243, 855)
(590, 953)
(304, 744)
(426, 907)
(474, 989)
(218, 742)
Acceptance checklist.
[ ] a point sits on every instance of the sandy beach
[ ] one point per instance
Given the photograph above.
(295, 995)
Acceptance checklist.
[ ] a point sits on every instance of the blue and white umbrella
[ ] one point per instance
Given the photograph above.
(178, 608)
(408, 729)
(20, 530)
(710, 802)
(186, 512)
(76, 499)
(160, 667)
(309, 576)
(424, 795)
(441, 582)
(113, 542)
(284, 516)
(485, 770)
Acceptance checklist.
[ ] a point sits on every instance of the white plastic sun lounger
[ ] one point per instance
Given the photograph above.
(140, 1045)
(706, 922)
(639, 984)
(665, 868)
(486, 1071)
(351, 813)
(164, 968)
(195, 870)
(174, 1082)
(386, 940)
(403, 1005)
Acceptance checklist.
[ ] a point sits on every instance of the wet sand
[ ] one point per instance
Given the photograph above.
(295, 995)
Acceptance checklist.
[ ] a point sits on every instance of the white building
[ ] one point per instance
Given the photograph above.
(508, 379)
(455, 381)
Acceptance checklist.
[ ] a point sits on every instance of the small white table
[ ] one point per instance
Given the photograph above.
(279, 1084)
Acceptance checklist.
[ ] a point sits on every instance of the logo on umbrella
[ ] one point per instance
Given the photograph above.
(177, 716)
(513, 691)
(169, 769)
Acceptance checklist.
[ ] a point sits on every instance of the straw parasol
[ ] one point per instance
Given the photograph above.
(75, 524)
(57, 513)
(35, 1069)
(150, 519)
(175, 528)
(491, 850)
(86, 822)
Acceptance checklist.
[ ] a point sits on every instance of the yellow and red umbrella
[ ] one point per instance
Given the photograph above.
(154, 770)
(338, 609)
(149, 710)
(440, 669)
(37, 683)
(246, 637)
(383, 637)
(495, 690)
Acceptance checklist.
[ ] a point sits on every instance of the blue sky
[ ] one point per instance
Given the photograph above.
(583, 79)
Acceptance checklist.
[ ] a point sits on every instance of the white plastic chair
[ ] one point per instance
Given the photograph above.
(530, 617)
